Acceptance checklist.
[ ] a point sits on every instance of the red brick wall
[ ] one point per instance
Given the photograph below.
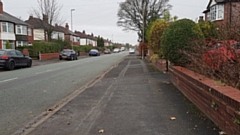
(220, 103)
(31, 38)
(48, 56)
(160, 64)
(0, 44)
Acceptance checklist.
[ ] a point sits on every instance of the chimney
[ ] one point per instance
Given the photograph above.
(92, 35)
(45, 18)
(30, 17)
(56, 25)
(67, 26)
(83, 32)
(1, 7)
(200, 19)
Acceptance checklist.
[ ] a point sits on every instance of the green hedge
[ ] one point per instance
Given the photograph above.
(52, 47)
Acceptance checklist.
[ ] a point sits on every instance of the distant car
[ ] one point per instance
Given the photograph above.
(11, 58)
(68, 54)
(107, 51)
(122, 49)
(116, 50)
(131, 51)
(94, 52)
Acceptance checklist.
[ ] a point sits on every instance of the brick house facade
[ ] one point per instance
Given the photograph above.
(14, 31)
(223, 12)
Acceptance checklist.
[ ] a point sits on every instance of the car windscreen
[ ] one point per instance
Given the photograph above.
(68, 51)
(93, 50)
(2, 52)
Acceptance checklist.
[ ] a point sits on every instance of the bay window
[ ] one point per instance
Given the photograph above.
(7, 27)
(216, 12)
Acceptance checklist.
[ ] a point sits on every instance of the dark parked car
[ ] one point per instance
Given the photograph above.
(94, 52)
(68, 54)
(11, 58)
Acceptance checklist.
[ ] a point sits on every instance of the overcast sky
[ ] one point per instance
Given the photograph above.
(100, 16)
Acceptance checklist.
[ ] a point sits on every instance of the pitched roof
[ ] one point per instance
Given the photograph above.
(65, 31)
(80, 34)
(37, 23)
(217, 1)
(9, 18)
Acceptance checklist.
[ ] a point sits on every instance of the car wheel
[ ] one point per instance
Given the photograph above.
(76, 58)
(11, 65)
(60, 58)
(71, 57)
(29, 63)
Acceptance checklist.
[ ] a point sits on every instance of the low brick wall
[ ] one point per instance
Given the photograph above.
(220, 103)
(48, 56)
(83, 54)
(160, 64)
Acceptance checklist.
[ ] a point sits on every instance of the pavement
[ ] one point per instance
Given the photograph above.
(131, 99)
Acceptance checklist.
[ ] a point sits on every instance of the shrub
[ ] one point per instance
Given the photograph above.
(155, 34)
(209, 29)
(177, 37)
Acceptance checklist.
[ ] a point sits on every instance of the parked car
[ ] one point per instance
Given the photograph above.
(107, 51)
(94, 52)
(11, 58)
(122, 49)
(116, 50)
(131, 51)
(68, 54)
(221, 52)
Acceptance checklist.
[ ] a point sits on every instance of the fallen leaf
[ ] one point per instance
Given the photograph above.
(101, 131)
(222, 133)
(172, 118)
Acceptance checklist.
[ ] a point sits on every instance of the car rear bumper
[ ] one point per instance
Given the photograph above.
(3, 63)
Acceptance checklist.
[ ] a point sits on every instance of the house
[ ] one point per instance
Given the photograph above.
(107, 42)
(14, 31)
(40, 26)
(223, 12)
(69, 35)
(83, 37)
(92, 40)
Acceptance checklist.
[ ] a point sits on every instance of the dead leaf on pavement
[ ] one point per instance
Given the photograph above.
(101, 131)
(173, 118)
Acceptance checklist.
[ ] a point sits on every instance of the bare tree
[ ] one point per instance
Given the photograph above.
(48, 13)
(136, 15)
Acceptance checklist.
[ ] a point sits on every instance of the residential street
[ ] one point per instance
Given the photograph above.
(132, 99)
(28, 92)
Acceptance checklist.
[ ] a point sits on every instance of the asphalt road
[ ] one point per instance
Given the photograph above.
(26, 93)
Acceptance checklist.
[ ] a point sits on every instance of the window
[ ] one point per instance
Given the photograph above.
(22, 43)
(29, 32)
(216, 12)
(22, 30)
(220, 13)
(19, 53)
(4, 27)
(7, 27)
(4, 44)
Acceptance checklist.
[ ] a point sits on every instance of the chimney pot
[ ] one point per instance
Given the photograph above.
(67, 26)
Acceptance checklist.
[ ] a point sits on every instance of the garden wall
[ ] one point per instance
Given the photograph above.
(220, 103)
(48, 56)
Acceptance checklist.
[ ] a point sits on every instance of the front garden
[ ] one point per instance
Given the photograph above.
(205, 60)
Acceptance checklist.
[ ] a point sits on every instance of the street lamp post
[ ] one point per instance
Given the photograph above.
(72, 25)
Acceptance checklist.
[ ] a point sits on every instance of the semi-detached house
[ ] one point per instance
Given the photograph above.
(14, 31)
(223, 12)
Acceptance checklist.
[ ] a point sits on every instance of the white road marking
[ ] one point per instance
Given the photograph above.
(47, 71)
(9, 80)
